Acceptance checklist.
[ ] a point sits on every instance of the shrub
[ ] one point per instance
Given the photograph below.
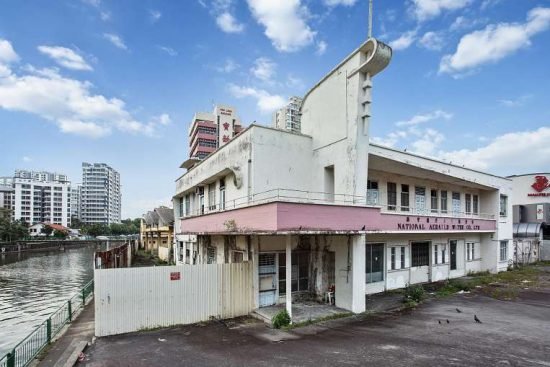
(281, 319)
(414, 293)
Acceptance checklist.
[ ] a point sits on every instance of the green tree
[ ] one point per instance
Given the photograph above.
(47, 230)
(60, 234)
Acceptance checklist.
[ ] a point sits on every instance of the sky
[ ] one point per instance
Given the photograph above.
(118, 81)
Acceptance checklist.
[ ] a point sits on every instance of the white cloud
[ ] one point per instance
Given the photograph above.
(170, 51)
(266, 102)
(26, 159)
(105, 15)
(227, 23)
(340, 2)
(65, 57)
(462, 23)
(115, 40)
(404, 41)
(321, 48)
(284, 22)
(518, 102)
(7, 53)
(155, 15)
(428, 9)
(432, 41)
(422, 118)
(228, 66)
(69, 103)
(428, 142)
(494, 42)
(505, 154)
(489, 3)
(294, 82)
(263, 69)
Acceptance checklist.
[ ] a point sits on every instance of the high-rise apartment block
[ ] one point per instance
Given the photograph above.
(76, 192)
(100, 199)
(6, 201)
(41, 197)
(288, 117)
(210, 131)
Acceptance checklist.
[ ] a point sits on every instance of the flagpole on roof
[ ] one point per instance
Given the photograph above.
(370, 20)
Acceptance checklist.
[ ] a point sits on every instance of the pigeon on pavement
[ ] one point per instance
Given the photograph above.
(477, 320)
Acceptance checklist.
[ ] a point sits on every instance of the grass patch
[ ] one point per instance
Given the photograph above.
(414, 293)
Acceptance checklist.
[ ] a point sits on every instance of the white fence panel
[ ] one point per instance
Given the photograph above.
(132, 299)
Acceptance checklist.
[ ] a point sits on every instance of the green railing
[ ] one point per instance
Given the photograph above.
(24, 352)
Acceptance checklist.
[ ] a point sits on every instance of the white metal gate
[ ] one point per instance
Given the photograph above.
(132, 299)
(268, 279)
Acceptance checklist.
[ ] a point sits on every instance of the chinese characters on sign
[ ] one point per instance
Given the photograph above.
(175, 275)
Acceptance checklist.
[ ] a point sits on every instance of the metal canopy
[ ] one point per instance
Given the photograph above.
(524, 230)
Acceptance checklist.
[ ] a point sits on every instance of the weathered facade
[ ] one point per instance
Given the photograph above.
(157, 231)
(333, 211)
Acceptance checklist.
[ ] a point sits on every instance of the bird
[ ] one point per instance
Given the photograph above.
(477, 320)
(457, 310)
(363, 228)
(439, 322)
(300, 228)
(448, 321)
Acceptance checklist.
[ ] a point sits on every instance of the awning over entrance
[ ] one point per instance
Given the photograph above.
(524, 230)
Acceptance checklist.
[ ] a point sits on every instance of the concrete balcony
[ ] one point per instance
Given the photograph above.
(292, 211)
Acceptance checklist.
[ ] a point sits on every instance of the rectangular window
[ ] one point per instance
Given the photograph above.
(402, 257)
(299, 273)
(420, 254)
(282, 273)
(392, 196)
(222, 194)
(393, 258)
(211, 255)
(181, 206)
(503, 250)
(187, 205)
(456, 203)
(212, 197)
(372, 192)
(503, 205)
(468, 202)
(443, 253)
(476, 204)
(420, 199)
(375, 262)
(405, 198)
(435, 254)
(470, 251)
(434, 201)
(201, 200)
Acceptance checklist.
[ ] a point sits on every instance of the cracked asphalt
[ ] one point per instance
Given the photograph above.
(512, 333)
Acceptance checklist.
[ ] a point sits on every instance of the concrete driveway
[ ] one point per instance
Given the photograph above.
(512, 333)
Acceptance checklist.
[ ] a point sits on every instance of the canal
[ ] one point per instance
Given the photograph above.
(34, 285)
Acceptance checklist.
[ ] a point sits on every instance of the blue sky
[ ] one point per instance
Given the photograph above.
(119, 81)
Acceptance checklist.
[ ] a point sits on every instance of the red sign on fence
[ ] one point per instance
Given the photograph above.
(175, 275)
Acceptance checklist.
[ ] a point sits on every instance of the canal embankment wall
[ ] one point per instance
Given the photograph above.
(44, 245)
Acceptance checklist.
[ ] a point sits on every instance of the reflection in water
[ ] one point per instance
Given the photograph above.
(34, 285)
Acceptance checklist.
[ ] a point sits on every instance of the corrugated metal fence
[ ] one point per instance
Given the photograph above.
(135, 299)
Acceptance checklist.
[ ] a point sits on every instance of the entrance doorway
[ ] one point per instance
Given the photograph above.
(420, 262)
(453, 254)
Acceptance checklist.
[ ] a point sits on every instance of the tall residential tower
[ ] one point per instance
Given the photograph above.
(100, 200)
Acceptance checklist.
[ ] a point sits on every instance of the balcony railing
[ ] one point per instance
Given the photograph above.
(314, 197)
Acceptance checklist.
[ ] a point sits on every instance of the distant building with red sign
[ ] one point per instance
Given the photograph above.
(211, 130)
(531, 205)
